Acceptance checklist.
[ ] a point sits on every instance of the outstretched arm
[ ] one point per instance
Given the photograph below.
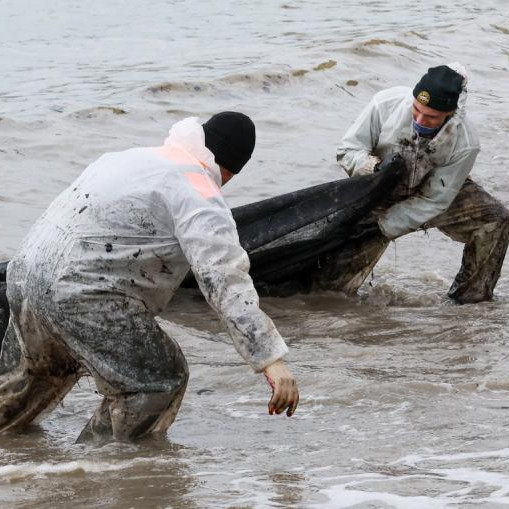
(208, 237)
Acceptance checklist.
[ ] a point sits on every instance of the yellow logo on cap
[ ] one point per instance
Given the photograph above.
(423, 97)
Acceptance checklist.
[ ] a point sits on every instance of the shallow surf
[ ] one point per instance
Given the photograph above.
(405, 398)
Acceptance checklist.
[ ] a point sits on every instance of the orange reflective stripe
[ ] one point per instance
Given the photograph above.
(177, 155)
(203, 185)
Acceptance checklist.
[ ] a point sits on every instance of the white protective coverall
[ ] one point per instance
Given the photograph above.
(434, 193)
(104, 259)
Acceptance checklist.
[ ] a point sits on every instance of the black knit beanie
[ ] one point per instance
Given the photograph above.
(439, 88)
(231, 137)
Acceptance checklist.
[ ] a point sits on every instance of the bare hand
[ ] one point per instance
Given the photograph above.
(284, 389)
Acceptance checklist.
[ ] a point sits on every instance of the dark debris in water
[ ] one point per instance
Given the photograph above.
(95, 112)
(299, 72)
(204, 391)
(162, 87)
(504, 30)
(381, 42)
(417, 34)
(325, 65)
(114, 110)
(167, 87)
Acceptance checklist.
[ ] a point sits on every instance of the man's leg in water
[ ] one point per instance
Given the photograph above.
(36, 370)
(124, 416)
(141, 372)
(482, 223)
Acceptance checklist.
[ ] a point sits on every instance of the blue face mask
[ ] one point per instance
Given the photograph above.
(427, 132)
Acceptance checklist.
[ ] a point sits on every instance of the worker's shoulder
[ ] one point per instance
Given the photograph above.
(134, 171)
(122, 157)
(468, 138)
(393, 95)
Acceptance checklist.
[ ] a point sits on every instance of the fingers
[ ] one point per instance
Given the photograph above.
(294, 403)
(277, 399)
(284, 397)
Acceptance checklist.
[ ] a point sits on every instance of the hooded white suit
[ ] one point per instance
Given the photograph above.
(102, 261)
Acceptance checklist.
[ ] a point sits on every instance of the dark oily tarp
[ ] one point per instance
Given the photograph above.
(3, 271)
(4, 306)
(291, 237)
(343, 201)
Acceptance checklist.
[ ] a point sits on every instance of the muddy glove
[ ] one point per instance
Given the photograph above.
(285, 394)
(368, 167)
(394, 162)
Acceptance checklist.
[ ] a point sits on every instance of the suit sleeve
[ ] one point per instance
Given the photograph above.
(434, 197)
(208, 237)
(355, 150)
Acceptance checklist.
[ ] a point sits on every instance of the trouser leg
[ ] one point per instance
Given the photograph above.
(35, 373)
(482, 223)
(137, 367)
(4, 310)
(131, 416)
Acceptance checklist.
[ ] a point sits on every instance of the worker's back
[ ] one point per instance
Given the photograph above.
(113, 230)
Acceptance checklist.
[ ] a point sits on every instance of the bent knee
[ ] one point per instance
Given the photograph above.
(502, 215)
(504, 219)
(183, 375)
(502, 225)
(175, 376)
(179, 369)
(498, 219)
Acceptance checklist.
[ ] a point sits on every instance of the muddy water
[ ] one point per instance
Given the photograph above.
(405, 397)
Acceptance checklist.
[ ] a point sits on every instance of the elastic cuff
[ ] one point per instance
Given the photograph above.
(259, 365)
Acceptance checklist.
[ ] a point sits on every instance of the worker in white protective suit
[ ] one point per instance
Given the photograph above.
(106, 257)
(429, 128)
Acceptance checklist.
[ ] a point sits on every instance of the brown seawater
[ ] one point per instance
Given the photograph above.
(405, 396)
